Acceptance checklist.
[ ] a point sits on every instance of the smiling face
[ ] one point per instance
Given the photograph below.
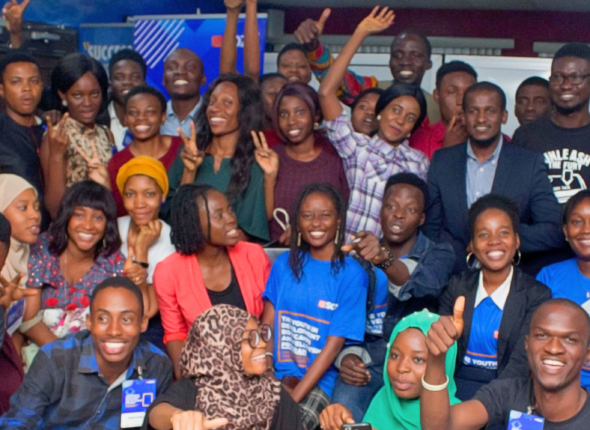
(484, 117)
(294, 66)
(363, 116)
(24, 217)
(402, 213)
(84, 99)
(223, 109)
(184, 74)
(318, 222)
(407, 363)
(21, 88)
(577, 230)
(295, 119)
(398, 119)
(557, 346)
(494, 240)
(409, 59)
(253, 359)
(532, 102)
(144, 116)
(568, 97)
(86, 228)
(115, 323)
(142, 198)
(222, 220)
(450, 94)
(269, 89)
(126, 75)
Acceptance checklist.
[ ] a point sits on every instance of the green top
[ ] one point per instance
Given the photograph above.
(389, 412)
(250, 208)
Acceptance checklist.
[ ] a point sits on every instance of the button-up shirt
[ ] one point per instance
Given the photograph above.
(118, 130)
(368, 163)
(64, 388)
(500, 294)
(480, 175)
(173, 122)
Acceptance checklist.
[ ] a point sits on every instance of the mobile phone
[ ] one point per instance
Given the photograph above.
(359, 426)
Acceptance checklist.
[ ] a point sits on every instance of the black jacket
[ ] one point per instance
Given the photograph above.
(526, 294)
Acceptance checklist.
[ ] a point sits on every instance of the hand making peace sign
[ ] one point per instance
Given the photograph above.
(97, 171)
(267, 159)
(13, 12)
(190, 155)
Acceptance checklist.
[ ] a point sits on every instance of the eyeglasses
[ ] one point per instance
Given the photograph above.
(254, 336)
(575, 79)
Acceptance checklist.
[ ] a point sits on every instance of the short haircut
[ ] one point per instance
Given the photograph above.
(91, 195)
(493, 201)
(574, 201)
(118, 282)
(187, 234)
(128, 54)
(16, 56)
(454, 67)
(145, 89)
(269, 76)
(363, 94)
(420, 36)
(485, 86)
(574, 49)
(533, 81)
(567, 304)
(302, 91)
(398, 90)
(291, 47)
(408, 179)
(5, 230)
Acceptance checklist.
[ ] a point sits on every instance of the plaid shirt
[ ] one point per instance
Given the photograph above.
(64, 389)
(369, 162)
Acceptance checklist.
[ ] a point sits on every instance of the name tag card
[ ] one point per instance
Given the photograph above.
(522, 421)
(138, 395)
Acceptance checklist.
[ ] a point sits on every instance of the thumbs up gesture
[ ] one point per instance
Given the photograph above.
(310, 30)
(132, 271)
(444, 332)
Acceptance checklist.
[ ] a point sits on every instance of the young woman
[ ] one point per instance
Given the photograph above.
(143, 185)
(145, 113)
(79, 251)
(292, 63)
(370, 161)
(570, 279)
(211, 265)
(315, 299)
(225, 378)
(221, 153)
(363, 116)
(499, 299)
(77, 148)
(305, 157)
(397, 405)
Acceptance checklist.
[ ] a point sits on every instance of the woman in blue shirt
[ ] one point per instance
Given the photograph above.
(570, 279)
(315, 298)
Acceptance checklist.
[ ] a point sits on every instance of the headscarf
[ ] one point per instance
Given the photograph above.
(18, 255)
(387, 411)
(212, 356)
(146, 166)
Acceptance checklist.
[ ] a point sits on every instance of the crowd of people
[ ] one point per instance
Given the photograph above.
(258, 258)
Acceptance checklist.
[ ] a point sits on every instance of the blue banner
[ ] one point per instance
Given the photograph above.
(101, 42)
(155, 39)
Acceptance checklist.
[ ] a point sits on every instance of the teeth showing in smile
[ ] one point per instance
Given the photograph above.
(294, 133)
(396, 229)
(142, 128)
(216, 120)
(566, 97)
(406, 73)
(114, 347)
(86, 236)
(317, 234)
(481, 128)
(180, 82)
(259, 357)
(232, 232)
(368, 121)
(554, 363)
(496, 254)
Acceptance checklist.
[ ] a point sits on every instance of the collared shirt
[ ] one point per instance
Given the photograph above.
(480, 175)
(429, 139)
(368, 163)
(64, 388)
(499, 296)
(117, 128)
(173, 122)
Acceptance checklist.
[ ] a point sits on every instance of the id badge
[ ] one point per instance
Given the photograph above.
(14, 316)
(522, 421)
(138, 394)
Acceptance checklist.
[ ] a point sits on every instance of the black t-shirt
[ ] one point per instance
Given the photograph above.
(501, 396)
(566, 152)
(182, 395)
(232, 295)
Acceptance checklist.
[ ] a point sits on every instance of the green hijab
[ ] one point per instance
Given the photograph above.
(387, 411)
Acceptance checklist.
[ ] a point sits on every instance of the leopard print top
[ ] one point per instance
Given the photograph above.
(212, 356)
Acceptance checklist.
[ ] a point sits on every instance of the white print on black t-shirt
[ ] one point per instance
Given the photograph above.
(569, 162)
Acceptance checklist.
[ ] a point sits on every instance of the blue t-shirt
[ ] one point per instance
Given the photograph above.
(377, 314)
(325, 303)
(482, 348)
(567, 282)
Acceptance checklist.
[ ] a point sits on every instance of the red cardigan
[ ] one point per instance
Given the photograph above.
(182, 295)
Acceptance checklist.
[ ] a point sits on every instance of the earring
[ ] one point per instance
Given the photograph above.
(516, 263)
(337, 234)
(378, 117)
(104, 242)
(475, 264)
(316, 125)
(299, 239)
(64, 103)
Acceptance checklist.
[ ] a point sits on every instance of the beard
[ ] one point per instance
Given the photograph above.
(485, 143)
(572, 109)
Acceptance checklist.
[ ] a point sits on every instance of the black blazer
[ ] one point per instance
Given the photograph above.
(526, 294)
(521, 175)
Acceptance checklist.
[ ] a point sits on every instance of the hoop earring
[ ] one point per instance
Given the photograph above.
(516, 263)
(337, 234)
(299, 239)
(475, 264)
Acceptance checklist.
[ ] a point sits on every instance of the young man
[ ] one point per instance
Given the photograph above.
(184, 75)
(563, 137)
(557, 347)
(413, 271)
(452, 80)
(77, 382)
(532, 100)
(410, 59)
(461, 174)
(127, 69)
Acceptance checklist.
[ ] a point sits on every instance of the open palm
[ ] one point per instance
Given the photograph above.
(377, 21)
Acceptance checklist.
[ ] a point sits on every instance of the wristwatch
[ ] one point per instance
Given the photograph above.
(142, 264)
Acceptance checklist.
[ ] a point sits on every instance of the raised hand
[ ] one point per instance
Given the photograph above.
(456, 132)
(444, 332)
(334, 416)
(194, 420)
(190, 155)
(368, 247)
(134, 272)
(13, 12)
(310, 30)
(377, 21)
(57, 137)
(97, 171)
(267, 159)
(233, 4)
(11, 292)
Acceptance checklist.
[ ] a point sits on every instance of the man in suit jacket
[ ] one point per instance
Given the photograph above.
(461, 174)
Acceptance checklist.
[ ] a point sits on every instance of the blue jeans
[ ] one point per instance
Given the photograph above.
(357, 398)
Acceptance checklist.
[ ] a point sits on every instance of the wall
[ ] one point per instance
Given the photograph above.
(524, 27)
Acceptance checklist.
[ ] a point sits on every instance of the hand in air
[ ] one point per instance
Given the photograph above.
(56, 134)
(445, 332)
(13, 12)
(377, 21)
(10, 291)
(267, 159)
(310, 30)
(233, 4)
(190, 155)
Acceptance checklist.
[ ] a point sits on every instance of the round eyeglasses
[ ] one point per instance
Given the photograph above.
(254, 336)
